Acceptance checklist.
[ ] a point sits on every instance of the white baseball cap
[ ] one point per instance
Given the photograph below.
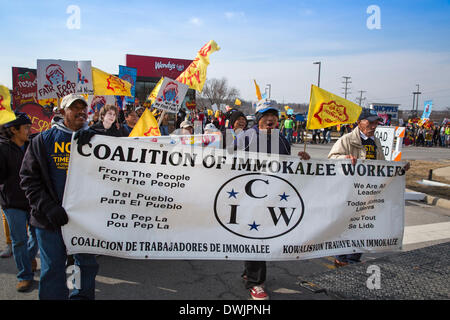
(71, 98)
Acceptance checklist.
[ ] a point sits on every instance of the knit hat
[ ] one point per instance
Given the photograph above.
(235, 115)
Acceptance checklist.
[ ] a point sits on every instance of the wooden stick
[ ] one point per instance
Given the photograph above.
(161, 117)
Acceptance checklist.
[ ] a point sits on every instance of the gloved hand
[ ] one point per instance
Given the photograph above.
(83, 136)
(57, 216)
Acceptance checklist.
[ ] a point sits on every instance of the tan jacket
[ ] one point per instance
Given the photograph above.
(350, 144)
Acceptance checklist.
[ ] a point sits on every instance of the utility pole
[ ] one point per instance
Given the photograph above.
(270, 89)
(318, 80)
(347, 82)
(415, 108)
(360, 99)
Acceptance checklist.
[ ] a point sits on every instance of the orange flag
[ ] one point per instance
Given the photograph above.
(147, 126)
(195, 74)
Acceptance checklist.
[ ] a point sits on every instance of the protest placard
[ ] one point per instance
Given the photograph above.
(170, 96)
(24, 86)
(84, 79)
(56, 78)
(41, 117)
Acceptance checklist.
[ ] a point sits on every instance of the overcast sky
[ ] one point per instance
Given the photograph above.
(274, 42)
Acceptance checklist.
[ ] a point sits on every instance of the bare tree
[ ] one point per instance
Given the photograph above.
(217, 91)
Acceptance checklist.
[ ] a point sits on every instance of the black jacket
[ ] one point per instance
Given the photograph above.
(11, 157)
(37, 184)
(249, 141)
(113, 131)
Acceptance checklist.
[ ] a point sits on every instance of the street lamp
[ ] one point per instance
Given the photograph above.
(270, 88)
(319, 63)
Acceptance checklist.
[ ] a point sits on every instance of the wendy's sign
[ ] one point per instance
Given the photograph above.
(157, 67)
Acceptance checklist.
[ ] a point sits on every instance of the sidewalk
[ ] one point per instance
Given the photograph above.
(436, 201)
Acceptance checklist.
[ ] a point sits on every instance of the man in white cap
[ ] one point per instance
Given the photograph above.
(43, 178)
(187, 128)
(361, 143)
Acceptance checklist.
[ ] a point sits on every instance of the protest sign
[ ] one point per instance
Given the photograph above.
(170, 96)
(95, 103)
(41, 117)
(427, 105)
(135, 199)
(84, 79)
(391, 139)
(24, 85)
(129, 74)
(56, 78)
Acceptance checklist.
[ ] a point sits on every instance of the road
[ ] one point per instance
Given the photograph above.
(121, 279)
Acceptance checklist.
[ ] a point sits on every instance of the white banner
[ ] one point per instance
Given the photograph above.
(135, 199)
(56, 78)
(202, 140)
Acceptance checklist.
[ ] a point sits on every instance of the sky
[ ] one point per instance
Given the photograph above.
(386, 52)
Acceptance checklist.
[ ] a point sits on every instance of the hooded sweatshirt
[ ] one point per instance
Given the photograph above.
(11, 157)
(44, 172)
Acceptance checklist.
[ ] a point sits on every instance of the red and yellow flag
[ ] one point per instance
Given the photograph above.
(147, 126)
(327, 110)
(6, 114)
(195, 74)
(106, 84)
(152, 96)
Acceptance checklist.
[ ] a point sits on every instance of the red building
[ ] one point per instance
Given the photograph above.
(151, 69)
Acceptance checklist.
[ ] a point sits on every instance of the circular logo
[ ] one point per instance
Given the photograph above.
(258, 206)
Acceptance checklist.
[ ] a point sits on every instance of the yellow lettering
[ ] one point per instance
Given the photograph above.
(59, 147)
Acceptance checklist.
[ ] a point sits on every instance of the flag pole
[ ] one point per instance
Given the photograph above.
(161, 118)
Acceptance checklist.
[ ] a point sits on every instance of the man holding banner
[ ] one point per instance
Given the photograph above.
(43, 178)
(263, 137)
(361, 143)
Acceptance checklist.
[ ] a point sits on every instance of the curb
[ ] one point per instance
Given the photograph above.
(439, 202)
(431, 200)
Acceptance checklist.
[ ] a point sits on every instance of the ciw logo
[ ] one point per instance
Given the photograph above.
(258, 206)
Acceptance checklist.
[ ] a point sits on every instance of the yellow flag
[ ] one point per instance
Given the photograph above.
(106, 84)
(258, 92)
(147, 126)
(152, 96)
(195, 74)
(327, 109)
(237, 102)
(6, 114)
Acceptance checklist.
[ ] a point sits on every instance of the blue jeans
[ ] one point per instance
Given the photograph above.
(164, 130)
(289, 135)
(53, 285)
(24, 247)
